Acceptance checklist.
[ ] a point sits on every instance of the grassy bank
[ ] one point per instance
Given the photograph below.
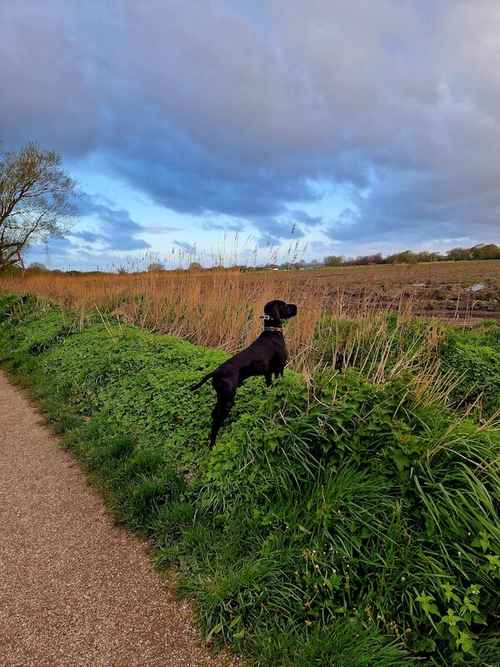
(350, 519)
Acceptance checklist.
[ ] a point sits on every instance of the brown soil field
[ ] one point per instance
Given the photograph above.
(447, 290)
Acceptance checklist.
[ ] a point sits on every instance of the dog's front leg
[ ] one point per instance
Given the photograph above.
(269, 379)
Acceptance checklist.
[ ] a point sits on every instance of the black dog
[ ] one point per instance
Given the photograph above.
(266, 356)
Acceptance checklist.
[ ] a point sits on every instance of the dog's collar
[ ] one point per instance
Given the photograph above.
(278, 328)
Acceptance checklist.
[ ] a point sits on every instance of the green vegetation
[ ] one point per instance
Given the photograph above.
(348, 520)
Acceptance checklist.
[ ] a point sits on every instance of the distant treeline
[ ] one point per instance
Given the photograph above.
(481, 251)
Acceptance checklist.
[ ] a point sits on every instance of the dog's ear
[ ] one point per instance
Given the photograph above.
(272, 309)
(291, 309)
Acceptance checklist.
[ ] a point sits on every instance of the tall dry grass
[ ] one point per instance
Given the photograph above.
(212, 308)
(222, 308)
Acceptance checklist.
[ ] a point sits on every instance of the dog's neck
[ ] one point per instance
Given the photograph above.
(272, 324)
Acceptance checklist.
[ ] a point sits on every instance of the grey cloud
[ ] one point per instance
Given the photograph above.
(117, 230)
(274, 230)
(306, 218)
(233, 226)
(159, 229)
(188, 248)
(238, 108)
(89, 237)
(67, 254)
(413, 210)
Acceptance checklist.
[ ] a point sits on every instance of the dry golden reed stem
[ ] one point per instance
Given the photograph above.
(222, 308)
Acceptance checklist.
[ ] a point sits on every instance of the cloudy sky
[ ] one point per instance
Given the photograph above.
(211, 126)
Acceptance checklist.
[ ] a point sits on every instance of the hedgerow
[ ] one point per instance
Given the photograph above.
(336, 521)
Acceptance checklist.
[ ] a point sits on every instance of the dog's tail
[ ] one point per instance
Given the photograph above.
(204, 379)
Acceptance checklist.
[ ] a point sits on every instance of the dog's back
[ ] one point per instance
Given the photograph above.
(266, 356)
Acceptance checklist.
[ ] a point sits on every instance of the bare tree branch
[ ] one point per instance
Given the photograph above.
(35, 200)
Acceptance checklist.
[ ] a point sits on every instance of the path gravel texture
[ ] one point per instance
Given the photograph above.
(75, 589)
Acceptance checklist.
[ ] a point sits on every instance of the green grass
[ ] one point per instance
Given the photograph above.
(476, 357)
(338, 521)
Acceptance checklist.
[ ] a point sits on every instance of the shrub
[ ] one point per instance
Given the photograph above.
(474, 359)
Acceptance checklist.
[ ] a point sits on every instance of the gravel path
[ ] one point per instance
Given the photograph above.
(74, 589)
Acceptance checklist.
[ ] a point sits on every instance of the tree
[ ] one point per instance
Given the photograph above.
(428, 256)
(195, 266)
(333, 260)
(485, 251)
(35, 200)
(405, 257)
(458, 254)
(365, 260)
(37, 266)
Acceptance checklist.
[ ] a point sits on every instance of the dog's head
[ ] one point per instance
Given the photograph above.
(279, 310)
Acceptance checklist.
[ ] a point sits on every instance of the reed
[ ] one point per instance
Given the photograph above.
(221, 308)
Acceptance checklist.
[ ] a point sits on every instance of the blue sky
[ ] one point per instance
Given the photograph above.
(224, 127)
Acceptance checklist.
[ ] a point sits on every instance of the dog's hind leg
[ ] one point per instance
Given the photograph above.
(221, 410)
(269, 379)
(279, 372)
